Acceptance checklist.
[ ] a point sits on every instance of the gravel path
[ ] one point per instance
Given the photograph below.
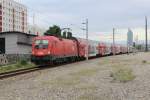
(88, 80)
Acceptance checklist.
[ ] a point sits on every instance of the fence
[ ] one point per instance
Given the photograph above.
(13, 58)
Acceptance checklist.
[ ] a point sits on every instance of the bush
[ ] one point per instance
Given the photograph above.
(144, 61)
(23, 62)
(122, 75)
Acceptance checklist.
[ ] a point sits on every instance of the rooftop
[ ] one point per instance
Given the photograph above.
(16, 32)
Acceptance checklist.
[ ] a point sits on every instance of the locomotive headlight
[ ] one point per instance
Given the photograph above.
(49, 52)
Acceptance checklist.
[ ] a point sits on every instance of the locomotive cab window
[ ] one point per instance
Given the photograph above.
(41, 44)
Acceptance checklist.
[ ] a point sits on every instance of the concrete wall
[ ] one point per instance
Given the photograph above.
(12, 46)
(25, 38)
(10, 43)
(16, 51)
(24, 49)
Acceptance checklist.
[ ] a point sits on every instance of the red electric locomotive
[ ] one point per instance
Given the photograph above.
(53, 49)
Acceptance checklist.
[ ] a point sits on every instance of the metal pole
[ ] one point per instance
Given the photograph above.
(87, 40)
(146, 45)
(34, 23)
(114, 42)
(87, 47)
(128, 43)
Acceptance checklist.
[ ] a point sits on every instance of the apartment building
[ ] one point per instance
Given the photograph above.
(13, 16)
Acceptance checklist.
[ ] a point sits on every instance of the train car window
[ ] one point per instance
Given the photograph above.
(41, 44)
(37, 42)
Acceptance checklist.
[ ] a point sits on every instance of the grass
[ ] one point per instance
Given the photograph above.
(122, 74)
(72, 78)
(144, 61)
(85, 72)
(65, 81)
(13, 67)
(104, 61)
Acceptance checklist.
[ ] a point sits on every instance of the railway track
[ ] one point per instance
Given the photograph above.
(28, 70)
(18, 72)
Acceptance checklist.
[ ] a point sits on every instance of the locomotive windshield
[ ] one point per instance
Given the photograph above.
(41, 44)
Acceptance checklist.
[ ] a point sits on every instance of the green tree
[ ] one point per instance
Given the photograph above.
(54, 31)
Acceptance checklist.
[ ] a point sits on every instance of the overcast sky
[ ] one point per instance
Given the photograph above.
(103, 15)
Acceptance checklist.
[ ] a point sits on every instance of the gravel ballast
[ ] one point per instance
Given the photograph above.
(87, 80)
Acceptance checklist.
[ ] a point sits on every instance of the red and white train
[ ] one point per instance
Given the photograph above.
(51, 49)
